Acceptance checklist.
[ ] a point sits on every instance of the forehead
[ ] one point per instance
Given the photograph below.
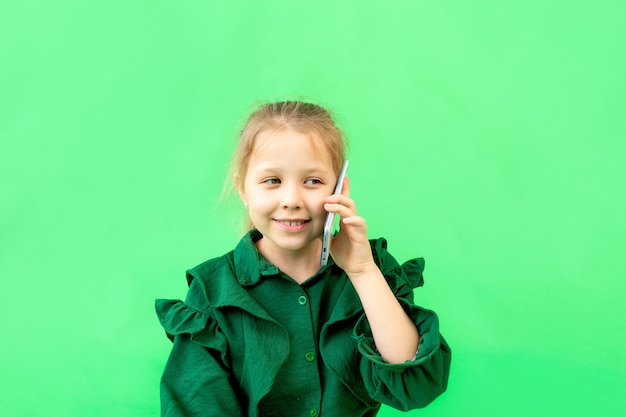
(289, 148)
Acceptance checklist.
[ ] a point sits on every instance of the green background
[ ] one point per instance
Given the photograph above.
(487, 136)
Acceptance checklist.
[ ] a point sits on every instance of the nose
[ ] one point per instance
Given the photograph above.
(291, 197)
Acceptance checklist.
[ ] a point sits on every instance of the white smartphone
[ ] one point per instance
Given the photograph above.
(330, 217)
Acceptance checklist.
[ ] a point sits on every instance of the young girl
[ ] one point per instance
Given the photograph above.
(266, 331)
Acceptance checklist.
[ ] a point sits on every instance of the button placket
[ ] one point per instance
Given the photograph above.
(301, 368)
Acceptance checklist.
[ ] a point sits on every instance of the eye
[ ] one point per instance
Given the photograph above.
(313, 181)
(271, 181)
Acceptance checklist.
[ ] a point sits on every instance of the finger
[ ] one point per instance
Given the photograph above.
(340, 199)
(356, 221)
(341, 209)
(355, 227)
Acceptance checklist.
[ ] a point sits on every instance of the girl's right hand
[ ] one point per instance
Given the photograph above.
(350, 249)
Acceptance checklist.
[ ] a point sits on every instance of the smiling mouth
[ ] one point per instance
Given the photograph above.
(292, 223)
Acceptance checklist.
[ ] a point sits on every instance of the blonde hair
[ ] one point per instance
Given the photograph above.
(306, 118)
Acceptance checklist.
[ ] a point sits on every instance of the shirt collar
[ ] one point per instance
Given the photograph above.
(250, 265)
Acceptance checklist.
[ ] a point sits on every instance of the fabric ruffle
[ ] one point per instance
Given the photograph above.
(402, 279)
(430, 367)
(428, 371)
(177, 318)
(215, 296)
(426, 322)
(409, 273)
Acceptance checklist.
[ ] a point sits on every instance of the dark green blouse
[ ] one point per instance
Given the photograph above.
(250, 341)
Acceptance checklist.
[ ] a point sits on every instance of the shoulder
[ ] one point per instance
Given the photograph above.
(211, 282)
(221, 265)
(410, 272)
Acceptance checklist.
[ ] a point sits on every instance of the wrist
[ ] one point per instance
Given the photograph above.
(368, 269)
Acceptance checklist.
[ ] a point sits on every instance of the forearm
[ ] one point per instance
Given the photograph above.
(395, 334)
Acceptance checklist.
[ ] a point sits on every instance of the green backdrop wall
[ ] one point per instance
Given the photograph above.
(487, 136)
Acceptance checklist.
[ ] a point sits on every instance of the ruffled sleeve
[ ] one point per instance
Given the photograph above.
(197, 378)
(177, 318)
(415, 383)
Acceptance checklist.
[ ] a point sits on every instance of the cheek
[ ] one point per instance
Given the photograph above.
(259, 206)
(317, 205)
(262, 201)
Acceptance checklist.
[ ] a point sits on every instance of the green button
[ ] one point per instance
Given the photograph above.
(313, 412)
(310, 357)
(302, 300)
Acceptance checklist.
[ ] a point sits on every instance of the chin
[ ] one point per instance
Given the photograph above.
(296, 244)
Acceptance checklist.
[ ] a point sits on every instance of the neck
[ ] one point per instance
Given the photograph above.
(299, 265)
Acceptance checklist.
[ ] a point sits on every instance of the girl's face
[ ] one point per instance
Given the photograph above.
(286, 182)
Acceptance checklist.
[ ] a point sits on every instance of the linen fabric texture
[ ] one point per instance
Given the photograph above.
(250, 341)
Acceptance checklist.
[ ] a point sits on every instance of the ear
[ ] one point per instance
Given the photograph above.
(239, 186)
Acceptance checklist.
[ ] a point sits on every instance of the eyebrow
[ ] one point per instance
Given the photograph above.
(272, 169)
